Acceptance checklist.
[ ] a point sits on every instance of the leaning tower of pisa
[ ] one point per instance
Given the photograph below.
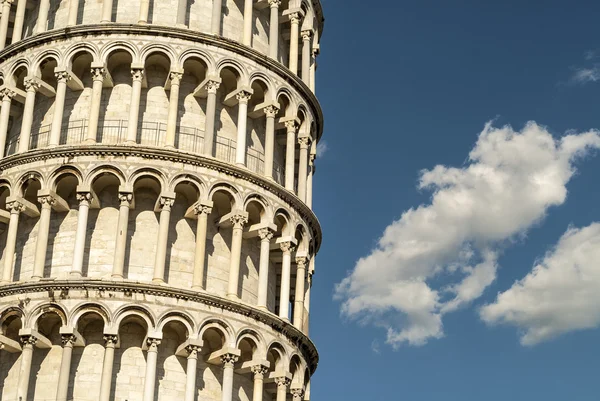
(156, 226)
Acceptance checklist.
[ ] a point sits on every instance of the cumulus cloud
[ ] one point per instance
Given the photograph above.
(585, 75)
(560, 294)
(440, 256)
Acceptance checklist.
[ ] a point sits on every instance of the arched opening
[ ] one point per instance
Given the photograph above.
(4, 219)
(218, 246)
(192, 118)
(44, 104)
(28, 230)
(10, 364)
(255, 157)
(248, 352)
(279, 153)
(45, 365)
(77, 103)
(170, 367)
(86, 365)
(130, 360)
(277, 368)
(282, 222)
(14, 125)
(227, 112)
(154, 103)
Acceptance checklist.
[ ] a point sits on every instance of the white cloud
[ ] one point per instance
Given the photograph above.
(585, 75)
(510, 181)
(322, 148)
(561, 294)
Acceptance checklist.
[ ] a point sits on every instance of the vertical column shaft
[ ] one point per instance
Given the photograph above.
(216, 17)
(42, 19)
(31, 86)
(84, 199)
(190, 382)
(15, 209)
(266, 235)
(59, 106)
(282, 387)
(274, 29)
(107, 367)
(240, 149)
(229, 361)
(299, 294)
(270, 113)
(309, 181)
(65, 368)
(107, 7)
(211, 112)
(259, 373)
(41, 244)
(7, 96)
(294, 38)
(73, 11)
(307, 298)
(181, 11)
(313, 71)
(238, 222)
(19, 20)
(121, 240)
(290, 155)
(248, 20)
(4, 22)
(151, 359)
(286, 268)
(134, 105)
(25, 369)
(161, 243)
(304, 143)
(306, 56)
(173, 109)
(202, 211)
(98, 75)
(144, 11)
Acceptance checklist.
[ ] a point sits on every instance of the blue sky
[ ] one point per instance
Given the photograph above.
(410, 85)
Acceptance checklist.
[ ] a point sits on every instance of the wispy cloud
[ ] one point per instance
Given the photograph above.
(322, 148)
(585, 75)
(510, 181)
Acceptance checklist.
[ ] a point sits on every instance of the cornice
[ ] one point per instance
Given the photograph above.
(177, 156)
(171, 32)
(295, 336)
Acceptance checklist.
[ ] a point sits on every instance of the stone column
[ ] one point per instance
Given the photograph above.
(211, 111)
(19, 20)
(6, 4)
(25, 370)
(229, 361)
(309, 181)
(41, 245)
(286, 267)
(304, 143)
(107, 7)
(306, 56)
(65, 367)
(290, 155)
(84, 199)
(15, 209)
(151, 358)
(134, 105)
(299, 295)
(266, 235)
(259, 372)
(270, 113)
(240, 149)
(309, 281)
(202, 211)
(59, 106)
(110, 342)
(73, 10)
(282, 388)
(313, 71)
(294, 38)
(42, 20)
(161, 242)
(31, 86)
(274, 29)
(181, 12)
(7, 96)
(121, 241)
(98, 76)
(238, 221)
(144, 11)
(173, 109)
(192, 365)
(216, 17)
(248, 20)
(297, 394)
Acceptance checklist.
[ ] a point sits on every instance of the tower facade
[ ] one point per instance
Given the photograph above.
(156, 224)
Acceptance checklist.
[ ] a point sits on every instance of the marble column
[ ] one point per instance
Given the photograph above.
(240, 148)
(304, 143)
(42, 19)
(294, 38)
(282, 388)
(31, 87)
(62, 78)
(151, 359)
(163, 236)
(15, 208)
(68, 340)
(211, 113)
(270, 113)
(202, 212)
(299, 294)
(41, 245)
(125, 200)
(290, 155)
(84, 199)
(6, 4)
(28, 343)
(313, 71)
(134, 105)
(110, 342)
(306, 56)
(259, 372)
(248, 22)
(191, 371)
(309, 181)
(98, 76)
(173, 109)
(228, 361)
(309, 281)
(73, 11)
(7, 95)
(238, 222)
(107, 7)
(144, 11)
(266, 235)
(181, 12)
(19, 21)
(286, 267)
(274, 29)
(217, 12)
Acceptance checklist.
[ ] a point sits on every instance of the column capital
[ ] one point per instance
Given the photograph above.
(98, 74)
(306, 35)
(15, 206)
(259, 371)
(243, 97)
(7, 94)
(125, 198)
(5, 2)
(238, 220)
(201, 208)
(297, 393)
(291, 126)
(28, 340)
(68, 340)
(312, 158)
(266, 234)
(110, 339)
(166, 203)
(302, 261)
(212, 86)
(295, 18)
(152, 344)
(282, 381)
(287, 247)
(193, 350)
(84, 197)
(176, 77)
(137, 74)
(274, 3)
(62, 76)
(47, 201)
(229, 360)
(304, 141)
(31, 84)
(271, 111)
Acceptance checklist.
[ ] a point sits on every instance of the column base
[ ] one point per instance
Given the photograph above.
(116, 277)
(158, 281)
(233, 297)
(89, 142)
(75, 274)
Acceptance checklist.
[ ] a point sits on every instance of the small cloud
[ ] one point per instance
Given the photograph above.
(322, 148)
(591, 54)
(585, 75)
(375, 347)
